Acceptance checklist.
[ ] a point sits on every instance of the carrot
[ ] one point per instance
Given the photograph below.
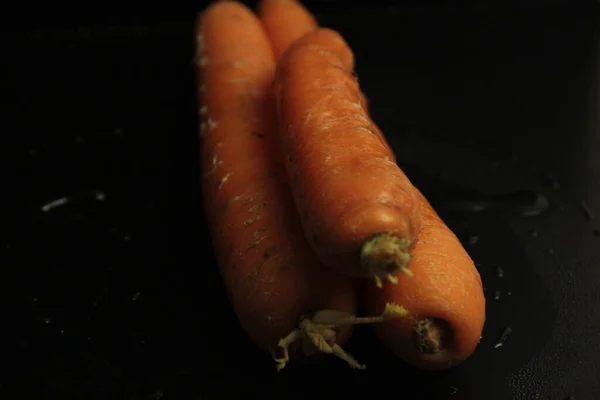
(358, 209)
(285, 22)
(445, 299)
(273, 279)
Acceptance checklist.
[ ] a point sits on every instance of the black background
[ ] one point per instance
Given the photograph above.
(492, 109)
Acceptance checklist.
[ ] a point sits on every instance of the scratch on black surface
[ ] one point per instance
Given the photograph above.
(587, 212)
(55, 204)
(503, 338)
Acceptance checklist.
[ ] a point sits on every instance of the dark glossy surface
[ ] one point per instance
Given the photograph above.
(107, 271)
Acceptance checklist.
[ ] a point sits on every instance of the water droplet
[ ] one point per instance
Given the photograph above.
(509, 293)
(552, 182)
(118, 131)
(136, 296)
(123, 236)
(503, 337)
(62, 331)
(473, 239)
(550, 251)
(499, 272)
(538, 205)
(534, 234)
(100, 196)
(453, 390)
(46, 320)
(497, 295)
(34, 299)
(156, 395)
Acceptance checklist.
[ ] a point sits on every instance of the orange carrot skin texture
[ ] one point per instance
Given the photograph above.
(446, 286)
(271, 275)
(285, 21)
(346, 184)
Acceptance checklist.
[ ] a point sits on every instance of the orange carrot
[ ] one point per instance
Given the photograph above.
(445, 298)
(285, 22)
(359, 211)
(273, 279)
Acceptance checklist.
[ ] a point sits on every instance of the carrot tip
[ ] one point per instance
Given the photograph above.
(431, 335)
(384, 255)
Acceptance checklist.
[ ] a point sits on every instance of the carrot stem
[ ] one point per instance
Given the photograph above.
(318, 332)
(384, 256)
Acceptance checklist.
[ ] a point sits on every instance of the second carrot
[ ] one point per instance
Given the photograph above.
(359, 211)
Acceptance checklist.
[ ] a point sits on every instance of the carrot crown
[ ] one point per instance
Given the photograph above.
(384, 256)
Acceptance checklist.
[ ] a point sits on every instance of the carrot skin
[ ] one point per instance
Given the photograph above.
(346, 185)
(271, 275)
(285, 22)
(445, 299)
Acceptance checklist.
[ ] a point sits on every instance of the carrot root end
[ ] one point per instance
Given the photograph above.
(284, 344)
(431, 335)
(317, 333)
